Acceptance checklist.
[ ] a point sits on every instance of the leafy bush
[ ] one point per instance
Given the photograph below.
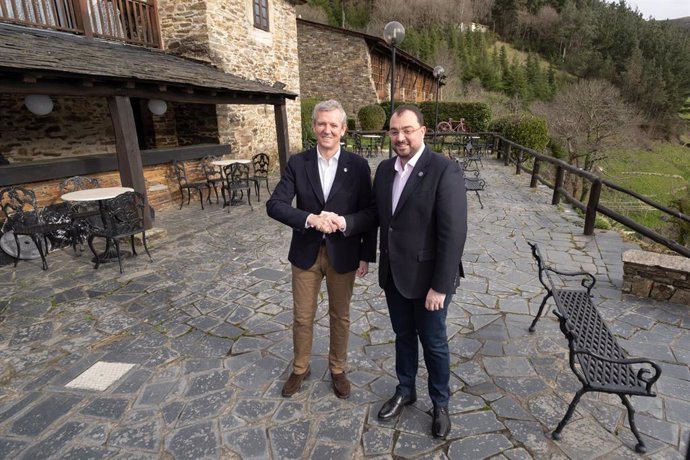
(527, 131)
(307, 108)
(371, 117)
(351, 124)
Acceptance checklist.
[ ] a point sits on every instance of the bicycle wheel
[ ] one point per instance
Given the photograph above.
(444, 126)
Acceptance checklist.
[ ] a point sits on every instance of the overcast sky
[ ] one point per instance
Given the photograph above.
(661, 9)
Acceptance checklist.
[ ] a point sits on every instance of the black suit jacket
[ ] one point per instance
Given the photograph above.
(351, 192)
(422, 240)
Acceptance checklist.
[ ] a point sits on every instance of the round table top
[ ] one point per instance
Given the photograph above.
(231, 161)
(96, 194)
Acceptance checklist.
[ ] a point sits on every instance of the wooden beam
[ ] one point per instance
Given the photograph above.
(280, 111)
(82, 165)
(105, 89)
(127, 148)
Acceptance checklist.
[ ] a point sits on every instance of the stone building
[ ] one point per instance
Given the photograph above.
(228, 73)
(359, 68)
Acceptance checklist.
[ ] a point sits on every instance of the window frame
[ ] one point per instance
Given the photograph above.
(261, 16)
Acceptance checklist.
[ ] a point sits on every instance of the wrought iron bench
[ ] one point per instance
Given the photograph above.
(473, 183)
(596, 359)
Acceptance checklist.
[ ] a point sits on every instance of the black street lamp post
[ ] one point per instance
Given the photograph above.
(438, 75)
(393, 34)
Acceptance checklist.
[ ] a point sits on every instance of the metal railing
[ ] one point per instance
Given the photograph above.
(130, 21)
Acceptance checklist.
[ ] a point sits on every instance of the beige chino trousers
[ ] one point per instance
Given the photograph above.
(306, 285)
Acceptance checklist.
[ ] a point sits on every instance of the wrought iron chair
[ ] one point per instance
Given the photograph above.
(181, 175)
(213, 174)
(236, 180)
(81, 212)
(23, 218)
(260, 163)
(122, 216)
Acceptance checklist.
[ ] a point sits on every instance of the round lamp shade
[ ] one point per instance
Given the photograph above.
(438, 71)
(157, 106)
(38, 104)
(394, 33)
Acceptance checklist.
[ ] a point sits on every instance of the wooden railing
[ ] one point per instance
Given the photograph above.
(130, 21)
(593, 204)
(518, 154)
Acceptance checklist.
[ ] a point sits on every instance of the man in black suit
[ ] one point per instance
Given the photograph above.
(325, 178)
(421, 208)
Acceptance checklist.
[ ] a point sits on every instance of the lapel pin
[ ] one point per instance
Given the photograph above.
(344, 169)
(420, 174)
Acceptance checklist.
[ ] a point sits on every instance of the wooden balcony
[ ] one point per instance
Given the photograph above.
(130, 21)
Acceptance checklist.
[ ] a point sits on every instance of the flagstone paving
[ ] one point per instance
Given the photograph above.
(205, 330)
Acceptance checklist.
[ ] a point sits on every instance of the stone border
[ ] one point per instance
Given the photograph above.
(657, 276)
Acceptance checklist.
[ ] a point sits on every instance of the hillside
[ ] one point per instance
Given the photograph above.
(681, 22)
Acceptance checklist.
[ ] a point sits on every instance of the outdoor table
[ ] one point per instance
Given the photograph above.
(230, 161)
(372, 140)
(99, 194)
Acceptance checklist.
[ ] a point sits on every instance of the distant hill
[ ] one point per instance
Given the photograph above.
(682, 22)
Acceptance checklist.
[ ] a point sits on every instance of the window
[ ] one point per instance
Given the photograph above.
(261, 14)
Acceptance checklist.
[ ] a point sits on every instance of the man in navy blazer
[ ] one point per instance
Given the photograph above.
(421, 208)
(323, 179)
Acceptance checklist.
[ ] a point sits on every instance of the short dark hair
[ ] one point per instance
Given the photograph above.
(411, 108)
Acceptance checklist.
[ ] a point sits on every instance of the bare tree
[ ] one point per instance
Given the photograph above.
(419, 13)
(589, 118)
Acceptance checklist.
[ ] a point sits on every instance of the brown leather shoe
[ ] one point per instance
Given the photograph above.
(294, 383)
(341, 385)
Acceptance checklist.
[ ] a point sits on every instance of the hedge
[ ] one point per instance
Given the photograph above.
(528, 131)
(476, 114)
(307, 105)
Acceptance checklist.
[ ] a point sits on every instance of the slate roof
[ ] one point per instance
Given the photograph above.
(48, 52)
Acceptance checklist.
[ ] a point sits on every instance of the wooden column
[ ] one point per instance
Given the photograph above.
(280, 111)
(127, 148)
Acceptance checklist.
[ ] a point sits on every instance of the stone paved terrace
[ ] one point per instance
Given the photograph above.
(203, 338)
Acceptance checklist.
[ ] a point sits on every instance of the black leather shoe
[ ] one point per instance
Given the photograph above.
(394, 406)
(440, 426)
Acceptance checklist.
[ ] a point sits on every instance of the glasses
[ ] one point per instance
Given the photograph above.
(405, 131)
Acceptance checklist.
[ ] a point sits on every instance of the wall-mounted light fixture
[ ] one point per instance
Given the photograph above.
(157, 106)
(39, 104)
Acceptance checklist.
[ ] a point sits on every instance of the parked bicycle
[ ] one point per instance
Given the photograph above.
(451, 125)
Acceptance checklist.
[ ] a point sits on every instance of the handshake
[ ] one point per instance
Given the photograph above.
(326, 222)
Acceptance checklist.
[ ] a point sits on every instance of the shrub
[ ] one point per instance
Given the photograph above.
(371, 117)
(351, 124)
(307, 108)
(476, 114)
(530, 132)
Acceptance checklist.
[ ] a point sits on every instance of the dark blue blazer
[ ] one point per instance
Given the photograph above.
(351, 192)
(422, 240)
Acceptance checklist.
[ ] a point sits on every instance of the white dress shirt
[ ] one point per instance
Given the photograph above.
(402, 174)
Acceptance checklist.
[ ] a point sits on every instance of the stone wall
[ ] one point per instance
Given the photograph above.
(161, 185)
(222, 33)
(335, 66)
(658, 276)
(76, 126)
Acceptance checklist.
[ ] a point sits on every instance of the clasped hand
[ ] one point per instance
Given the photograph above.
(327, 222)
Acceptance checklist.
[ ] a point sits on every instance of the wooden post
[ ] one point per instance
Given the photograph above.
(83, 17)
(592, 204)
(535, 173)
(506, 154)
(494, 147)
(518, 162)
(280, 111)
(127, 148)
(558, 183)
